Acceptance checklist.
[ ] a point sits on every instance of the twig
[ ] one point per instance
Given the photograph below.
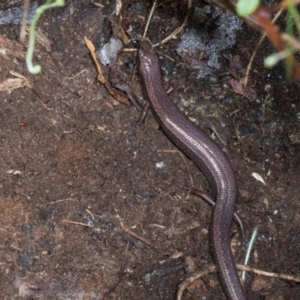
(61, 200)
(77, 223)
(183, 285)
(256, 49)
(196, 275)
(179, 29)
(127, 230)
(101, 77)
(149, 18)
(90, 213)
(24, 21)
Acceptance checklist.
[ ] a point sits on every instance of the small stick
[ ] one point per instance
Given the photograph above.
(256, 49)
(179, 29)
(77, 223)
(213, 268)
(127, 230)
(149, 18)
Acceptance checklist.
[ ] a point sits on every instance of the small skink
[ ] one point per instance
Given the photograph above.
(209, 158)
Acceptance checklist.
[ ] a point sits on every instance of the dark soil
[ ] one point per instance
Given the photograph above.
(94, 206)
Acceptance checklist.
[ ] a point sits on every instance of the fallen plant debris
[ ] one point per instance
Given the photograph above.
(261, 19)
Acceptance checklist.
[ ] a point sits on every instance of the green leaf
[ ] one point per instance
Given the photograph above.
(246, 7)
